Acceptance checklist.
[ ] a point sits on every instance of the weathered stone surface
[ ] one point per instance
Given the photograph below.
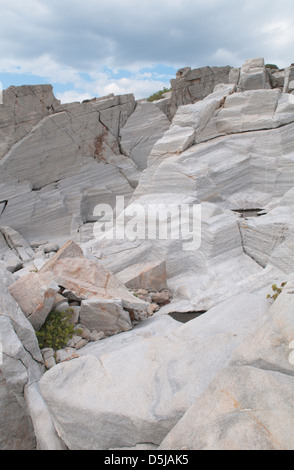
(66, 354)
(79, 132)
(149, 276)
(289, 77)
(16, 429)
(11, 261)
(23, 107)
(262, 235)
(10, 309)
(50, 247)
(249, 405)
(25, 420)
(219, 171)
(15, 252)
(227, 151)
(50, 362)
(253, 75)
(17, 243)
(58, 210)
(151, 328)
(35, 294)
(46, 436)
(69, 250)
(244, 409)
(200, 114)
(95, 336)
(197, 115)
(105, 315)
(194, 85)
(87, 278)
(249, 111)
(34, 179)
(164, 103)
(234, 76)
(174, 141)
(145, 126)
(161, 298)
(81, 279)
(112, 414)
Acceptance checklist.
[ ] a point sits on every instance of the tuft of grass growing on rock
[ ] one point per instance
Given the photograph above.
(56, 331)
(158, 95)
(272, 66)
(277, 290)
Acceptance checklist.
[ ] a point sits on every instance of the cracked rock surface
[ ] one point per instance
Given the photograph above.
(223, 380)
(25, 420)
(249, 405)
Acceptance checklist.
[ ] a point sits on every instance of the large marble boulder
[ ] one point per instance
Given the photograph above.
(134, 392)
(21, 109)
(61, 162)
(253, 75)
(249, 405)
(249, 167)
(35, 294)
(25, 420)
(224, 169)
(106, 304)
(190, 86)
(77, 133)
(289, 80)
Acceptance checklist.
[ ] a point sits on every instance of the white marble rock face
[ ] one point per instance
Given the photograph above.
(144, 127)
(249, 166)
(221, 381)
(22, 108)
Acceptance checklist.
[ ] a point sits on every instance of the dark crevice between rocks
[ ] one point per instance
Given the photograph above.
(249, 212)
(244, 248)
(184, 317)
(3, 207)
(263, 364)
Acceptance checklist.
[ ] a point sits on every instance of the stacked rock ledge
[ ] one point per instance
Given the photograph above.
(222, 141)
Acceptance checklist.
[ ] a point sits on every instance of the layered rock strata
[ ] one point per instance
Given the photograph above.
(227, 155)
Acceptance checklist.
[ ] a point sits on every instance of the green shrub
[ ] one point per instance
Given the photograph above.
(277, 290)
(158, 95)
(272, 66)
(56, 331)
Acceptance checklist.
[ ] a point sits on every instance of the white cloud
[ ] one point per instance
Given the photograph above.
(60, 41)
(42, 66)
(280, 34)
(71, 96)
(226, 57)
(140, 87)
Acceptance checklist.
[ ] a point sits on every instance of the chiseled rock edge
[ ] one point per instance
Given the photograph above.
(22, 369)
(279, 124)
(39, 188)
(92, 392)
(23, 107)
(215, 172)
(249, 405)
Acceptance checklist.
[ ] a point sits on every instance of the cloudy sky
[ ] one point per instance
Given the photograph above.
(88, 48)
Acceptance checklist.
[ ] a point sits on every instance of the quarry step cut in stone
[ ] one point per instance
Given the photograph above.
(178, 333)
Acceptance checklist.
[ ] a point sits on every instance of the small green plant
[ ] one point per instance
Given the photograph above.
(158, 95)
(272, 66)
(56, 331)
(277, 290)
